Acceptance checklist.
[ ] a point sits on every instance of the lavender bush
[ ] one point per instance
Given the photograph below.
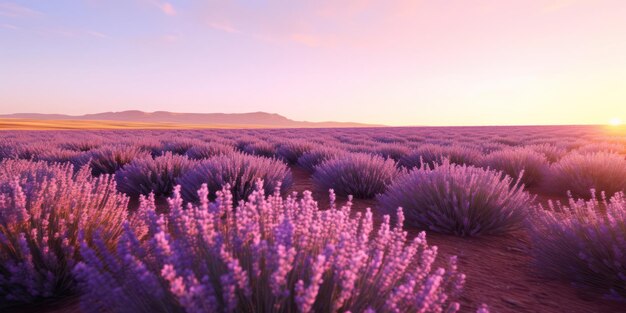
(207, 150)
(244, 141)
(458, 199)
(239, 171)
(292, 150)
(393, 151)
(553, 153)
(54, 155)
(177, 146)
(30, 151)
(601, 147)
(266, 255)
(578, 173)
(151, 144)
(44, 211)
(261, 148)
(431, 154)
(82, 145)
(356, 174)
(7, 148)
(389, 138)
(516, 161)
(584, 243)
(309, 160)
(109, 159)
(146, 175)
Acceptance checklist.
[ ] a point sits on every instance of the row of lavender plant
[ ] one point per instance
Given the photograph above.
(493, 202)
(583, 242)
(269, 254)
(537, 151)
(65, 232)
(385, 141)
(547, 167)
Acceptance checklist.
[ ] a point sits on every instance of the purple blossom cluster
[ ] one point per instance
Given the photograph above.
(309, 160)
(268, 254)
(176, 146)
(260, 148)
(431, 154)
(395, 151)
(46, 211)
(583, 242)
(239, 171)
(578, 173)
(609, 147)
(553, 153)
(84, 143)
(111, 158)
(357, 174)
(207, 150)
(520, 163)
(30, 151)
(458, 199)
(146, 175)
(57, 155)
(292, 150)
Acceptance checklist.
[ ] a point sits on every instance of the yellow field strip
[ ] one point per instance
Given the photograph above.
(32, 124)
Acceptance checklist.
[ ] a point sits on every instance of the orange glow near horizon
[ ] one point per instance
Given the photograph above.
(616, 121)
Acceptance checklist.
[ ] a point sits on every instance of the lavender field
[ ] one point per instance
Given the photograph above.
(431, 219)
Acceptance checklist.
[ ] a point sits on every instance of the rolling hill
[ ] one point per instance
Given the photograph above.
(163, 119)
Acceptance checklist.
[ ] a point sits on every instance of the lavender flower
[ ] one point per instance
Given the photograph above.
(205, 151)
(292, 150)
(269, 254)
(584, 243)
(146, 175)
(261, 148)
(462, 200)
(309, 160)
(553, 153)
(44, 211)
(360, 175)
(239, 171)
(578, 173)
(109, 159)
(531, 165)
(431, 154)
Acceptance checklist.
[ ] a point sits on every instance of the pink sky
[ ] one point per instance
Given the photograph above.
(390, 62)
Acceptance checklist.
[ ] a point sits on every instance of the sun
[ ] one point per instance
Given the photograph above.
(616, 121)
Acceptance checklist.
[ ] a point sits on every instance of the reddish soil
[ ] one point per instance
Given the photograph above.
(498, 268)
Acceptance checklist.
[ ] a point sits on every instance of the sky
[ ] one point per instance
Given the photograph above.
(437, 62)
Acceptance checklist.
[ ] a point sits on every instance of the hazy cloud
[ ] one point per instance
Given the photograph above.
(96, 34)
(170, 38)
(312, 23)
(224, 27)
(306, 39)
(9, 26)
(72, 33)
(167, 8)
(14, 10)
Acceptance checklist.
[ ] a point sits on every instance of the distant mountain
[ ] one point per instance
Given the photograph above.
(257, 119)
